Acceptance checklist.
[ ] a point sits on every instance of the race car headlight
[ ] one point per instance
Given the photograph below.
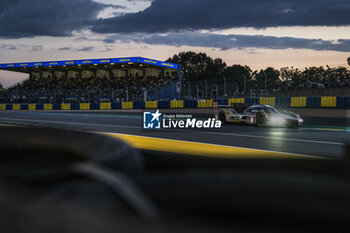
(276, 120)
(300, 120)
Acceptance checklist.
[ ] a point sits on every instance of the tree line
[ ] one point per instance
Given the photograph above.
(199, 67)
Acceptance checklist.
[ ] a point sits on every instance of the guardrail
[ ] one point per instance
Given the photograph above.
(295, 102)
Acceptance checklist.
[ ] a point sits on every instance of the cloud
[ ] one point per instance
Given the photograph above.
(86, 49)
(8, 47)
(108, 41)
(225, 42)
(23, 18)
(170, 15)
(65, 49)
(37, 48)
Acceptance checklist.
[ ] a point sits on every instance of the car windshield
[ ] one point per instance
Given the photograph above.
(270, 109)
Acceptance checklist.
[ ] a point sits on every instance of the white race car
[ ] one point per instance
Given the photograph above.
(259, 115)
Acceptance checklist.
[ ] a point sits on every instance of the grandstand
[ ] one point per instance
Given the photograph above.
(94, 80)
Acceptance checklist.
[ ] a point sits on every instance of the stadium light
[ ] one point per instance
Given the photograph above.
(112, 64)
(245, 84)
(95, 64)
(265, 81)
(225, 91)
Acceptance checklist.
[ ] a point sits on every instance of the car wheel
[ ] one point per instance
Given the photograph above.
(261, 119)
(222, 117)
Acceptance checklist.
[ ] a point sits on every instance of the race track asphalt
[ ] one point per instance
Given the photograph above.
(312, 139)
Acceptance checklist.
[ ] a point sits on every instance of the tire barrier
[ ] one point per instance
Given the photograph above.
(16, 107)
(151, 104)
(205, 103)
(84, 106)
(31, 106)
(47, 106)
(177, 104)
(313, 102)
(235, 101)
(65, 107)
(127, 105)
(284, 102)
(328, 101)
(298, 102)
(190, 104)
(163, 104)
(342, 102)
(268, 100)
(105, 106)
(251, 101)
(138, 105)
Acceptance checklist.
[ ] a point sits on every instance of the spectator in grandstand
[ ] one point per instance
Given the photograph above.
(60, 89)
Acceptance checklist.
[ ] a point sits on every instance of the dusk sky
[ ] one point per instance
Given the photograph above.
(258, 33)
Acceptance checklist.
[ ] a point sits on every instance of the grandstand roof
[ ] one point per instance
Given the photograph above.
(28, 67)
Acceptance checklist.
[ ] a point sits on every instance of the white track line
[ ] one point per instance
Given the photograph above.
(9, 120)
